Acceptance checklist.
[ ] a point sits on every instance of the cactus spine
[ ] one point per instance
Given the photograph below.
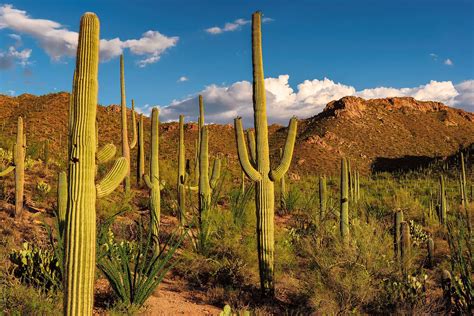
(259, 170)
(442, 202)
(140, 154)
(153, 179)
(322, 197)
(344, 212)
(397, 233)
(80, 232)
(405, 244)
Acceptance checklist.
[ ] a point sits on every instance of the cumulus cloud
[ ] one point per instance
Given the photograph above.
(13, 56)
(223, 103)
(232, 26)
(58, 41)
(448, 62)
(183, 79)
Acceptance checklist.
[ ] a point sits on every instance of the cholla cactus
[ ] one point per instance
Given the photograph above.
(80, 227)
(258, 169)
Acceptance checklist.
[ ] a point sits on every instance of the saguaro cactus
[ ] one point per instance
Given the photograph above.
(198, 143)
(442, 201)
(464, 198)
(283, 189)
(206, 185)
(397, 233)
(322, 197)
(430, 248)
(258, 170)
(153, 179)
(19, 152)
(80, 232)
(140, 153)
(344, 212)
(405, 247)
(62, 200)
(125, 145)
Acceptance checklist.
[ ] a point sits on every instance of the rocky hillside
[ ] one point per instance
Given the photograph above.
(375, 134)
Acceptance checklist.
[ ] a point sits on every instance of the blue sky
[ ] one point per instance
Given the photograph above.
(418, 48)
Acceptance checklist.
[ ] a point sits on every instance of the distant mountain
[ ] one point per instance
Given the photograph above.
(380, 134)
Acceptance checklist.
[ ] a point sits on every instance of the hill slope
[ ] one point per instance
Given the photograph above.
(374, 134)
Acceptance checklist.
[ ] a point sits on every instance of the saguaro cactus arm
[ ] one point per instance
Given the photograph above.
(247, 167)
(282, 168)
(216, 173)
(7, 171)
(106, 153)
(134, 127)
(113, 178)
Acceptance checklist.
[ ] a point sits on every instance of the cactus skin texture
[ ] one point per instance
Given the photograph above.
(62, 200)
(18, 167)
(80, 227)
(153, 179)
(344, 212)
(397, 233)
(443, 202)
(140, 153)
(258, 170)
(405, 244)
(322, 197)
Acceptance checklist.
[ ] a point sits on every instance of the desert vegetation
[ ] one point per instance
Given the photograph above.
(342, 240)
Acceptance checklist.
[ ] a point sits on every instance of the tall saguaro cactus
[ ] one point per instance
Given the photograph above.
(322, 197)
(283, 189)
(18, 167)
(182, 177)
(80, 229)
(153, 179)
(344, 212)
(442, 201)
(465, 201)
(198, 143)
(397, 233)
(123, 109)
(258, 169)
(140, 153)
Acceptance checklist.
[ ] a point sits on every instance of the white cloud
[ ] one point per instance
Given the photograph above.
(434, 56)
(13, 56)
(223, 103)
(232, 26)
(183, 79)
(448, 62)
(58, 41)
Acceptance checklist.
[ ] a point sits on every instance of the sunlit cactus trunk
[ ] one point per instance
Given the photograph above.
(258, 170)
(153, 180)
(181, 174)
(80, 229)
(19, 160)
(123, 111)
(283, 189)
(80, 237)
(140, 153)
(344, 211)
(198, 143)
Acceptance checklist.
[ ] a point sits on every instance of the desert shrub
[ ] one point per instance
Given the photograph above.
(403, 292)
(291, 200)
(134, 270)
(38, 267)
